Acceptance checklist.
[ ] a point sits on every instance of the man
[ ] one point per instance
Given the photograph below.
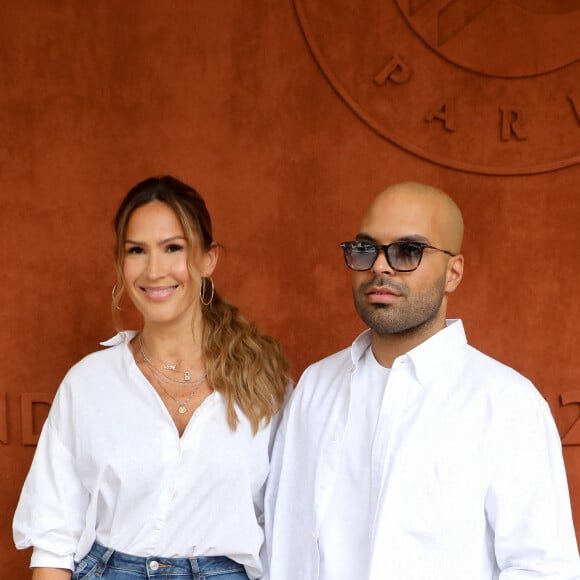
(411, 455)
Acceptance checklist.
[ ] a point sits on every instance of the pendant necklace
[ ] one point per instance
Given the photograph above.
(159, 376)
(171, 367)
(181, 405)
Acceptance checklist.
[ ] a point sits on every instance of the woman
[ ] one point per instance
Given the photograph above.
(154, 456)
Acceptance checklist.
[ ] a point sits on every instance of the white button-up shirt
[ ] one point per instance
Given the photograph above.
(355, 478)
(110, 466)
(466, 464)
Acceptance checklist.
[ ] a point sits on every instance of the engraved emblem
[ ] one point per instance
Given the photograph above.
(486, 86)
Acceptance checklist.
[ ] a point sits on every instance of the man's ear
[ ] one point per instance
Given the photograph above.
(454, 273)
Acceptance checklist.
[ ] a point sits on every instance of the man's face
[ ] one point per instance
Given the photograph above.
(392, 302)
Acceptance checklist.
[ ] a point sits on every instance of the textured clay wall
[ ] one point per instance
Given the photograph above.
(288, 117)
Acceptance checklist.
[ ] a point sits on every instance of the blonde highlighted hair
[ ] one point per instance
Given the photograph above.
(247, 367)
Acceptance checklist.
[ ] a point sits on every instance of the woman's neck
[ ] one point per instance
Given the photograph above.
(172, 342)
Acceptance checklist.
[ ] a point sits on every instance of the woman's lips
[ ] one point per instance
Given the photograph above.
(158, 292)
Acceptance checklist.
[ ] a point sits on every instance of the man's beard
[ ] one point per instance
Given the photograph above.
(407, 315)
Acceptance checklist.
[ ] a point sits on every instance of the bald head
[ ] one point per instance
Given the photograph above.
(411, 208)
(403, 307)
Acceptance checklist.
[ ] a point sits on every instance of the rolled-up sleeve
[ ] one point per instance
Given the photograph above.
(51, 512)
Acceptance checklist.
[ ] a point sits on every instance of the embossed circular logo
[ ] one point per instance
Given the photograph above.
(486, 86)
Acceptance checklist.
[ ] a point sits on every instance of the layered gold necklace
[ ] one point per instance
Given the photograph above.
(162, 377)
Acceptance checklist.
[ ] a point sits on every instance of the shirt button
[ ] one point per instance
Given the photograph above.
(154, 565)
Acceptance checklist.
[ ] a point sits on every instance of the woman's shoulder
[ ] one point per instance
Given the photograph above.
(101, 360)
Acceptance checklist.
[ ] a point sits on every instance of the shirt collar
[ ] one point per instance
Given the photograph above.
(430, 356)
(125, 336)
(360, 345)
(437, 352)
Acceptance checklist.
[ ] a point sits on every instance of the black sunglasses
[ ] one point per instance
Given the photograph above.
(404, 256)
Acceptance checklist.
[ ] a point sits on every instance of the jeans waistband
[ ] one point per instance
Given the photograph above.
(157, 565)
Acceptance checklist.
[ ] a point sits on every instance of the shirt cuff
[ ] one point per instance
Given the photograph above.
(45, 559)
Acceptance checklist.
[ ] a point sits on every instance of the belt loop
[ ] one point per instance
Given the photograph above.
(102, 565)
(194, 568)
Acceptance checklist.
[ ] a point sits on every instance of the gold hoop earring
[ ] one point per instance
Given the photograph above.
(202, 291)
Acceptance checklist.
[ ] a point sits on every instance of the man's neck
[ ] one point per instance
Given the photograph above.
(387, 347)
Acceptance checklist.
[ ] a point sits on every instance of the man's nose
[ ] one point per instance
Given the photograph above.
(381, 264)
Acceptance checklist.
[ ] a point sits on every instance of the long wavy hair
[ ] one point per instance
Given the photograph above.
(247, 367)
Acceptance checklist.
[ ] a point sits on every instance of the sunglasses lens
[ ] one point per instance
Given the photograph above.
(359, 255)
(401, 256)
(405, 256)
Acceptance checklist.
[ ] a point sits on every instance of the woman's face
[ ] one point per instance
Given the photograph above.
(155, 265)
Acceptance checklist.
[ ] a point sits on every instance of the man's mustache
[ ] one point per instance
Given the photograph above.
(386, 282)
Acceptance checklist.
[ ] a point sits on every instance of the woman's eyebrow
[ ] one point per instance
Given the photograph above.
(160, 243)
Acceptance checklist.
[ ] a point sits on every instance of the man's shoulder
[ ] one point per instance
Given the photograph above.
(321, 391)
(331, 372)
(342, 360)
(498, 381)
(491, 367)
(336, 362)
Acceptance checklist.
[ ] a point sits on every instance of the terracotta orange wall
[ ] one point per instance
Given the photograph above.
(227, 96)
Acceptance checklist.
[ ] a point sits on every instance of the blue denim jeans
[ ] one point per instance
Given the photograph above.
(104, 563)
